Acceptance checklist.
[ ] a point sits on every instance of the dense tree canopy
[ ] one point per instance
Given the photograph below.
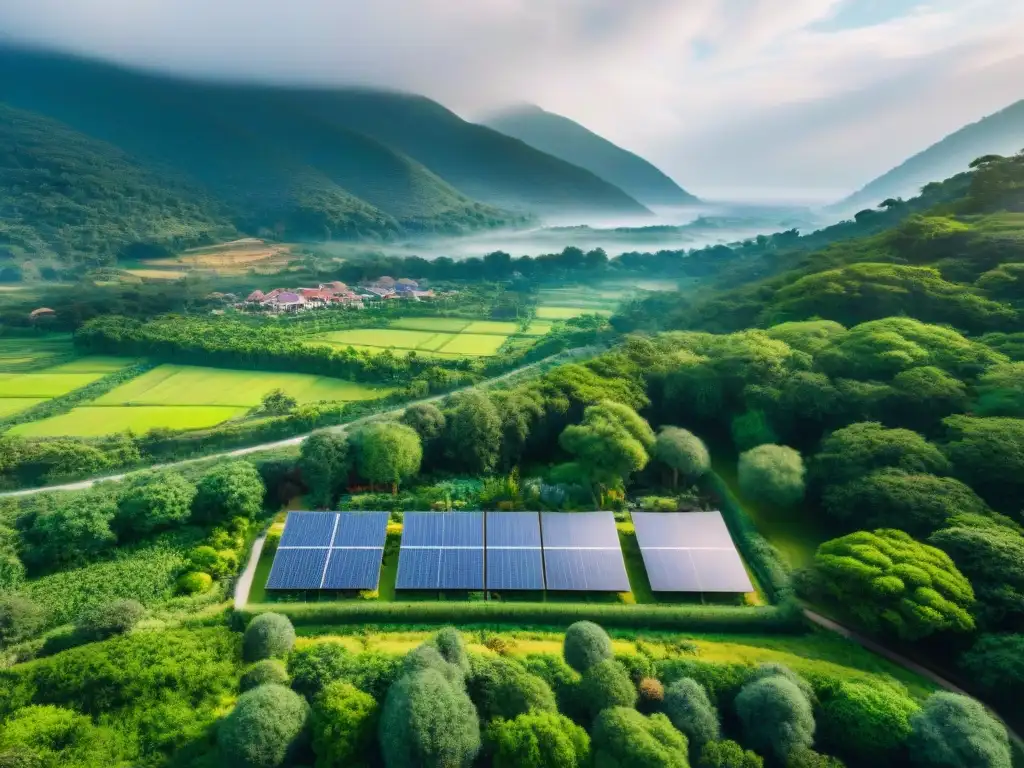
(472, 435)
(266, 727)
(72, 532)
(953, 731)
(153, 501)
(996, 665)
(610, 444)
(426, 418)
(388, 452)
(344, 723)
(727, 754)
(776, 716)
(623, 738)
(539, 740)
(865, 722)
(688, 707)
(852, 452)
(1001, 391)
(890, 582)
(233, 489)
(501, 687)
(988, 455)
(323, 462)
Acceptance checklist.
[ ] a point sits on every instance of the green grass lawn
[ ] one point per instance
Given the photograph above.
(794, 532)
(95, 421)
(179, 385)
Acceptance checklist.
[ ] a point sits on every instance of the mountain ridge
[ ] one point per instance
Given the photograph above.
(559, 136)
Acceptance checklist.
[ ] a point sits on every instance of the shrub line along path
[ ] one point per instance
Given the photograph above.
(81, 485)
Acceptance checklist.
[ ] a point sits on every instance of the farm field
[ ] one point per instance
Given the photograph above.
(234, 257)
(17, 354)
(95, 421)
(12, 405)
(179, 385)
(156, 274)
(44, 385)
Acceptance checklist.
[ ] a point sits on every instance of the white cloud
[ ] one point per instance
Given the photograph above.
(723, 94)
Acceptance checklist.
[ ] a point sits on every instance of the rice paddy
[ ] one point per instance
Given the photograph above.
(188, 385)
(95, 421)
(44, 385)
(29, 354)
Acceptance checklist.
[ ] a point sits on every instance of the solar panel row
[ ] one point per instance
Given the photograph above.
(689, 552)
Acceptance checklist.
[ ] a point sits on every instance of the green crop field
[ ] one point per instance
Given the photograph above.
(95, 421)
(12, 405)
(31, 354)
(387, 337)
(44, 384)
(94, 364)
(564, 313)
(195, 385)
(448, 324)
(474, 344)
(537, 328)
(492, 327)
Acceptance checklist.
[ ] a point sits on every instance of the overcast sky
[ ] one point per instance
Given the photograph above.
(785, 99)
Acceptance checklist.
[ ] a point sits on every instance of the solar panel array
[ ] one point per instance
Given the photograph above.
(582, 552)
(442, 550)
(514, 558)
(330, 550)
(689, 552)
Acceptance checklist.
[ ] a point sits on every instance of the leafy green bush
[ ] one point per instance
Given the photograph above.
(866, 723)
(773, 474)
(682, 452)
(776, 717)
(623, 738)
(688, 707)
(585, 644)
(953, 731)
(538, 740)
(267, 726)
(774, 669)
(996, 665)
(20, 619)
(269, 635)
(344, 723)
(312, 668)
(427, 722)
(232, 489)
(53, 737)
(889, 582)
(114, 618)
(451, 647)
(194, 583)
(727, 754)
(604, 685)
(501, 687)
(265, 672)
(428, 657)
(152, 501)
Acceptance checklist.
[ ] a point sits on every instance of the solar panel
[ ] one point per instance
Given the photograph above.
(579, 529)
(308, 529)
(514, 568)
(362, 529)
(298, 569)
(463, 529)
(593, 570)
(418, 568)
(689, 552)
(513, 529)
(461, 569)
(423, 529)
(353, 569)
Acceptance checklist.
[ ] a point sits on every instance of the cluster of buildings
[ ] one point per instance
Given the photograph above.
(338, 294)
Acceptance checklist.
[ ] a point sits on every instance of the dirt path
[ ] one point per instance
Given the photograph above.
(903, 661)
(244, 583)
(80, 485)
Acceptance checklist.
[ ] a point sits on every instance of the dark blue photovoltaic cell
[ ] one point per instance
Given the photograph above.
(514, 568)
(720, 570)
(579, 529)
(308, 529)
(462, 569)
(671, 570)
(418, 568)
(297, 569)
(423, 529)
(463, 529)
(362, 529)
(353, 569)
(681, 529)
(594, 570)
(513, 529)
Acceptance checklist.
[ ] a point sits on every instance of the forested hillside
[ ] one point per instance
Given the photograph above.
(331, 164)
(561, 137)
(63, 194)
(999, 133)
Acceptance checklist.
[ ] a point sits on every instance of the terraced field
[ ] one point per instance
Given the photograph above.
(20, 391)
(95, 421)
(33, 354)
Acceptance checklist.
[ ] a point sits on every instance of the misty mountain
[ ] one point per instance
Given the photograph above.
(564, 138)
(303, 164)
(1001, 133)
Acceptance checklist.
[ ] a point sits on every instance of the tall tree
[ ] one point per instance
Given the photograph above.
(323, 462)
(472, 436)
(388, 452)
(683, 452)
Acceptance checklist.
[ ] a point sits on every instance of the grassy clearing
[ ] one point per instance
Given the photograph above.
(794, 532)
(195, 385)
(93, 421)
(44, 385)
(12, 405)
(474, 344)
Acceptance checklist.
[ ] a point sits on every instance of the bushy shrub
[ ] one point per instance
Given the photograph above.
(313, 667)
(501, 687)
(539, 740)
(586, 644)
(451, 647)
(809, 758)
(269, 635)
(688, 707)
(637, 666)
(267, 671)
(427, 722)
(233, 489)
(605, 685)
(996, 665)
(867, 723)
(773, 474)
(953, 731)
(55, 737)
(428, 657)
(194, 583)
(113, 618)
(266, 727)
(561, 678)
(20, 619)
(153, 501)
(727, 754)
(776, 716)
(774, 669)
(623, 738)
(344, 721)
(651, 694)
